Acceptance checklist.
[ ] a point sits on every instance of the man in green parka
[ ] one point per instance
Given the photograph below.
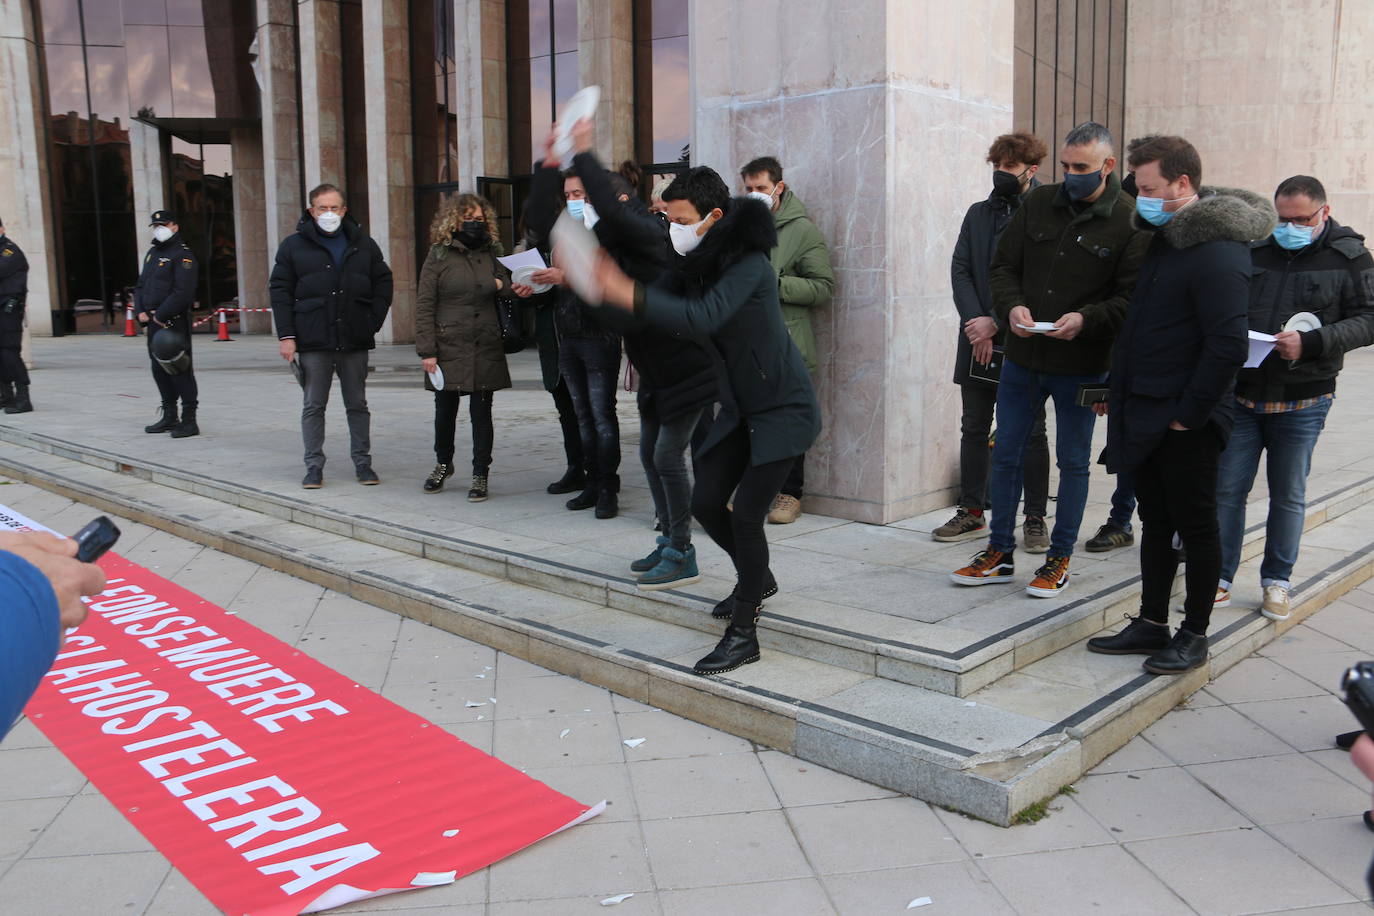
(805, 282)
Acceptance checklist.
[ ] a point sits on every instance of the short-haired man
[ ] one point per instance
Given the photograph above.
(331, 291)
(1015, 158)
(1311, 267)
(805, 282)
(1173, 368)
(1060, 282)
(165, 293)
(14, 289)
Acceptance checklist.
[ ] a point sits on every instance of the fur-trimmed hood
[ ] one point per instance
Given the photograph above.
(1219, 214)
(746, 227)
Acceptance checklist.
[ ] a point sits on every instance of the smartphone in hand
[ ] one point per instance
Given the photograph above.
(93, 540)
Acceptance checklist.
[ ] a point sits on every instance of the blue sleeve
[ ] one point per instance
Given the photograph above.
(30, 632)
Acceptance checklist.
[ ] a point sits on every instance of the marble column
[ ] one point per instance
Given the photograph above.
(25, 198)
(881, 112)
(254, 261)
(321, 92)
(149, 179)
(605, 58)
(1260, 108)
(390, 162)
(483, 142)
(275, 69)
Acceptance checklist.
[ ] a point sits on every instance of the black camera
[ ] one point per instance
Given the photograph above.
(1358, 684)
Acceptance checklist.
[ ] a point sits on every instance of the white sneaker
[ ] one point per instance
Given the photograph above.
(1222, 599)
(1275, 605)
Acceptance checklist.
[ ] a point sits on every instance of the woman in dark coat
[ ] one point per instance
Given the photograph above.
(457, 331)
(768, 414)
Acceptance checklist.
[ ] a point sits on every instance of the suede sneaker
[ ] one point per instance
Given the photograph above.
(1140, 637)
(675, 569)
(1109, 537)
(647, 563)
(1035, 535)
(965, 526)
(785, 510)
(1276, 605)
(367, 477)
(987, 566)
(314, 479)
(1050, 579)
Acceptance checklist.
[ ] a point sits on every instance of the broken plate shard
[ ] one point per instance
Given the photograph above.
(618, 898)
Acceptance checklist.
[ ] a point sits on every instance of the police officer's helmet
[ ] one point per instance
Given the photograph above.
(172, 351)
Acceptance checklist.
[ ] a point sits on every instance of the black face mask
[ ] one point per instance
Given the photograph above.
(1128, 185)
(1005, 184)
(472, 233)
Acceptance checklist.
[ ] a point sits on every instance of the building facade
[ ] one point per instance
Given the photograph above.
(227, 111)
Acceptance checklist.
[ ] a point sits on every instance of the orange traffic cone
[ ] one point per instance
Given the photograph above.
(223, 328)
(130, 328)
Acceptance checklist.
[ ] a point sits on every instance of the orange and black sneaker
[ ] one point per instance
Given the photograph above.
(987, 566)
(1050, 579)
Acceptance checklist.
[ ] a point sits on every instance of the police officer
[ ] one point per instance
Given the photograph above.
(165, 292)
(14, 287)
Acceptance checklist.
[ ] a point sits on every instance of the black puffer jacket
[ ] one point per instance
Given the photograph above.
(328, 306)
(1333, 278)
(166, 287)
(14, 271)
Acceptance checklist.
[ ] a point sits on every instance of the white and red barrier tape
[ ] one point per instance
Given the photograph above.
(218, 311)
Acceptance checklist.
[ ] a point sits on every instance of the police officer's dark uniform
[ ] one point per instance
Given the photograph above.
(165, 291)
(14, 287)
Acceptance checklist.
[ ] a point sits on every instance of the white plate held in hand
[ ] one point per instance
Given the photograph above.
(1039, 327)
(436, 378)
(582, 105)
(1302, 321)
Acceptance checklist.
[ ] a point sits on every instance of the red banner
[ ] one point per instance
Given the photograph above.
(273, 783)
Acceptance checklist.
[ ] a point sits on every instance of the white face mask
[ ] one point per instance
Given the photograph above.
(162, 233)
(329, 221)
(589, 216)
(759, 195)
(684, 238)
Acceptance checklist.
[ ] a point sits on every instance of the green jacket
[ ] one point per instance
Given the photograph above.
(1055, 261)
(805, 280)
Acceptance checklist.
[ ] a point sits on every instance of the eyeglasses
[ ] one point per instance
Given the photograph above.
(1302, 220)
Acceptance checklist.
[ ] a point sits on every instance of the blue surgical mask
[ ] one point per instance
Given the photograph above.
(1081, 186)
(1151, 209)
(1293, 237)
(577, 208)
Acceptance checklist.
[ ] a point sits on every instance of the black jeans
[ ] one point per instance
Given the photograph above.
(12, 368)
(446, 426)
(591, 369)
(725, 470)
(796, 477)
(1176, 491)
(170, 387)
(567, 421)
(662, 451)
(975, 458)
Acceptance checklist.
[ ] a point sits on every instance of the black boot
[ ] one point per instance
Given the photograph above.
(6, 394)
(187, 427)
(1140, 637)
(739, 646)
(21, 403)
(573, 479)
(1186, 651)
(607, 503)
(726, 607)
(586, 499)
(168, 421)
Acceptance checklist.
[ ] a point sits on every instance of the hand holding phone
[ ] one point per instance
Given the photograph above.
(92, 541)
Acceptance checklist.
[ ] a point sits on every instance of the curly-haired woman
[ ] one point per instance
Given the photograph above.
(457, 330)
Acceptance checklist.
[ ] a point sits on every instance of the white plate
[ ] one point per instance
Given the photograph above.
(1302, 321)
(575, 249)
(1040, 327)
(524, 275)
(581, 105)
(436, 378)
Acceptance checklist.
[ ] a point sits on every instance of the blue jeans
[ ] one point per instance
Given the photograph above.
(1288, 440)
(590, 367)
(1020, 393)
(1123, 501)
(663, 452)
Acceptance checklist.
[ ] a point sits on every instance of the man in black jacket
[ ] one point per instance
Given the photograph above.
(1312, 285)
(165, 292)
(331, 290)
(1173, 367)
(14, 287)
(1015, 158)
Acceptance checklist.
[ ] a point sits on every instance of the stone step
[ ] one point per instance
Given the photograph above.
(1007, 746)
(958, 656)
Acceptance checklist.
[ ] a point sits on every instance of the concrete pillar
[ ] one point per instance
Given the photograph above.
(25, 193)
(1258, 107)
(483, 131)
(605, 58)
(254, 261)
(275, 69)
(149, 179)
(390, 166)
(858, 100)
(322, 92)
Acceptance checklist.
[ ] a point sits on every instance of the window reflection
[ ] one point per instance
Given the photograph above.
(669, 18)
(564, 26)
(60, 22)
(193, 91)
(150, 79)
(66, 79)
(550, 71)
(541, 39)
(104, 24)
(185, 12)
(672, 96)
(663, 110)
(109, 91)
(145, 12)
